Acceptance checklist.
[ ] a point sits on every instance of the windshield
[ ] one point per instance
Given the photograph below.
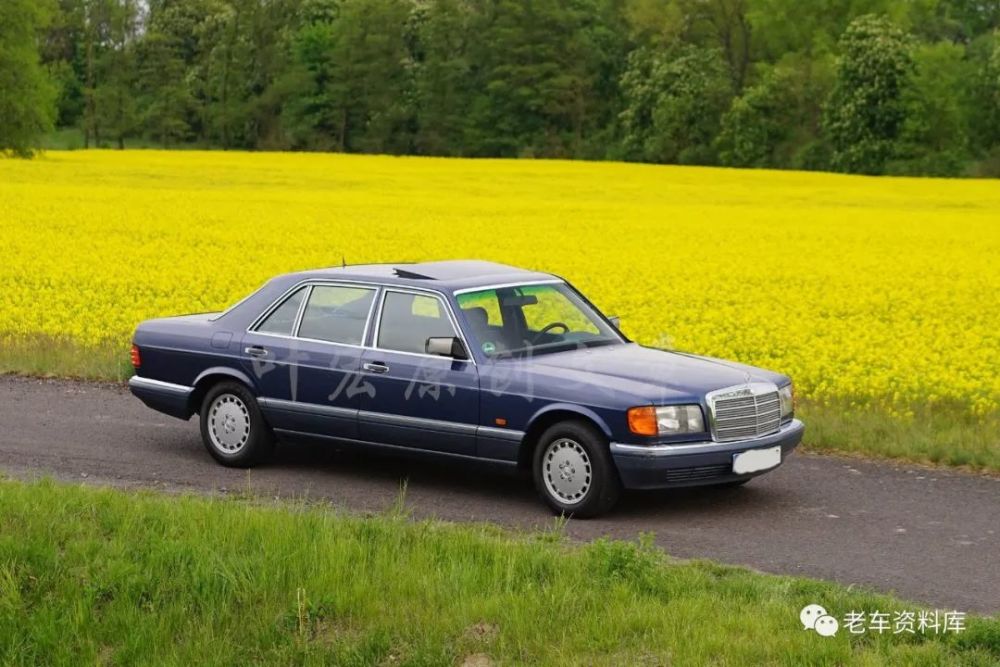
(533, 319)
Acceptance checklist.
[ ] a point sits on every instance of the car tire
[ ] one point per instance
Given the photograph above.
(573, 471)
(232, 427)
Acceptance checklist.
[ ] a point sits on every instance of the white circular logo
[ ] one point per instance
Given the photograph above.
(809, 614)
(827, 626)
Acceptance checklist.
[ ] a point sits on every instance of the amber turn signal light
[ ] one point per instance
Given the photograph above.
(134, 356)
(642, 421)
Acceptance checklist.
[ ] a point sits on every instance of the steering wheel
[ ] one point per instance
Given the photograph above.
(548, 328)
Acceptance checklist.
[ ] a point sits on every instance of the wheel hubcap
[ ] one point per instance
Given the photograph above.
(229, 423)
(566, 471)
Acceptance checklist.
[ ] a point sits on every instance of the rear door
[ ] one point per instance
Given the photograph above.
(416, 399)
(309, 371)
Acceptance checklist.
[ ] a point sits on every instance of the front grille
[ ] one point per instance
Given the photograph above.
(744, 412)
(699, 472)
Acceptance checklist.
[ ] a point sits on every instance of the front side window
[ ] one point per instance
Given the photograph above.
(533, 319)
(281, 321)
(337, 314)
(408, 320)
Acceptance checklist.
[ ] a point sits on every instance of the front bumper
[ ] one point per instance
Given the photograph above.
(697, 463)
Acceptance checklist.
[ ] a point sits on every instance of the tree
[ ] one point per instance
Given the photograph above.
(538, 65)
(775, 122)
(935, 136)
(984, 100)
(443, 75)
(61, 52)
(776, 83)
(759, 122)
(166, 100)
(723, 25)
(114, 101)
(27, 96)
(866, 110)
(350, 88)
(673, 105)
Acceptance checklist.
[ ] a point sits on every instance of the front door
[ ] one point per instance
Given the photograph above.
(416, 399)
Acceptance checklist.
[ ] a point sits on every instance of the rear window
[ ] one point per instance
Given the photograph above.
(281, 321)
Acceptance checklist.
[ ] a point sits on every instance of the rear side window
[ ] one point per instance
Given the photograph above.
(337, 314)
(282, 319)
(408, 320)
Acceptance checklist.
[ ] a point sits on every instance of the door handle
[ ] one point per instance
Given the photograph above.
(375, 367)
(256, 351)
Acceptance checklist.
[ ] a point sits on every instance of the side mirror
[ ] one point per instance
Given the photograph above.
(446, 346)
(616, 321)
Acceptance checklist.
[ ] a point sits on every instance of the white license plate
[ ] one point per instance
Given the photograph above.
(756, 460)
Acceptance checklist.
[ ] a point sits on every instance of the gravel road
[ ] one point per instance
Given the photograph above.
(931, 536)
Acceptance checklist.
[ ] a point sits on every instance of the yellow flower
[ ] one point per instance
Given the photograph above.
(862, 289)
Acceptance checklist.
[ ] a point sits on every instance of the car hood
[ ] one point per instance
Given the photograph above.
(659, 375)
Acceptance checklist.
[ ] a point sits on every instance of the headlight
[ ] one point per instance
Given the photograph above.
(666, 420)
(787, 396)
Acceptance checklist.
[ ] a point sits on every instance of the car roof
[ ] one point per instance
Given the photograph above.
(451, 275)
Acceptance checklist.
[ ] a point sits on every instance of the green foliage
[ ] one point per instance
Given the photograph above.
(866, 111)
(907, 87)
(27, 97)
(443, 73)
(538, 82)
(983, 104)
(168, 101)
(349, 85)
(760, 122)
(935, 135)
(673, 105)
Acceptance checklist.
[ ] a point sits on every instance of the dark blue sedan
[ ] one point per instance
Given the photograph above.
(470, 360)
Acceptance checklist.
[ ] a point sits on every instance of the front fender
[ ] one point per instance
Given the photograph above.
(572, 408)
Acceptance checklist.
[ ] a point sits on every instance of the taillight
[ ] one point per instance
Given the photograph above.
(134, 356)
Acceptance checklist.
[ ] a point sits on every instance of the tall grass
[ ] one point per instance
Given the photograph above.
(92, 576)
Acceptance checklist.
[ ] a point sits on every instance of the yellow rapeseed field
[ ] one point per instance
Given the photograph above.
(862, 289)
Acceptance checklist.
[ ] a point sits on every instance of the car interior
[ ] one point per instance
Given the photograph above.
(408, 320)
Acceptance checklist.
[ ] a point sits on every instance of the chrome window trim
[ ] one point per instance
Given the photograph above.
(273, 307)
(486, 288)
(310, 283)
(368, 317)
(297, 322)
(308, 340)
(448, 309)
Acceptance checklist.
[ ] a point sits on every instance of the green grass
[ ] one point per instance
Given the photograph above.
(946, 435)
(97, 576)
(46, 356)
(941, 435)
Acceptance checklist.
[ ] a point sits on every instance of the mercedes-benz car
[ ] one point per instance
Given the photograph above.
(470, 360)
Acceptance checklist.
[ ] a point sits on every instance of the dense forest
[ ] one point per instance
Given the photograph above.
(866, 86)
